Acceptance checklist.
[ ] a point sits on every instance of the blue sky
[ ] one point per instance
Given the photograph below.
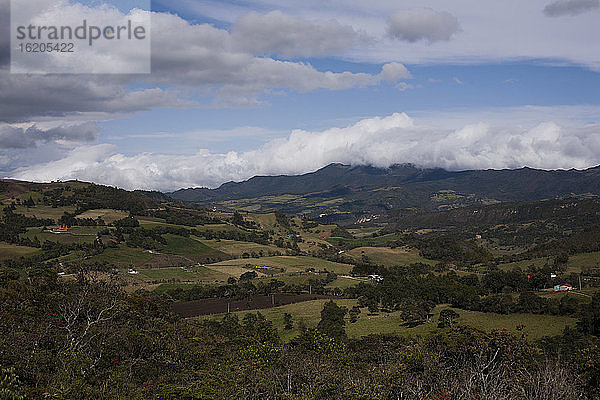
(260, 87)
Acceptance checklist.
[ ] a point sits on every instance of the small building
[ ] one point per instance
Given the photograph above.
(563, 288)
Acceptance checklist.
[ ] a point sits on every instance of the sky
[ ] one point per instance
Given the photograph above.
(261, 87)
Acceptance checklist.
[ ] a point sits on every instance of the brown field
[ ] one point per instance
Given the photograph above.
(107, 215)
(219, 306)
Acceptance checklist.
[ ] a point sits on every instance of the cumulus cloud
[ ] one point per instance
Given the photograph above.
(288, 36)
(379, 141)
(25, 97)
(212, 65)
(561, 8)
(205, 55)
(14, 137)
(393, 72)
(422, 24)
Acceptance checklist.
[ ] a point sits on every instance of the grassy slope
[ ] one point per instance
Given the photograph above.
(309, 312)
(11, 251)
(107, 215)
(84, 234)
(190, 248)
(576, 262)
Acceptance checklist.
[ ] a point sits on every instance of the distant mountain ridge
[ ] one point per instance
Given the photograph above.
(509, 185)
(367, 189)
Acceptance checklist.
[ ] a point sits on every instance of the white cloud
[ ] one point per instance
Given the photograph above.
(422, 24)
(393, 72)
(206, 63)
(561, 8)
(502, 31)
(379, 141)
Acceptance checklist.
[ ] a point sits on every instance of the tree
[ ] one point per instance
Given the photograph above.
(332, 320)
(9, 385)
(287, 320)
(530, 302)
(415, 312)
(29, 202)
(590, 317)
(238, 219)
(246, 276)
(354, 312)
(447, 317)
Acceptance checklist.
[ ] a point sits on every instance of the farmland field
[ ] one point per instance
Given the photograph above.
(290, 263)
(237, 248)
(255, 302)
(123, 257)
(11, 251)
(44, 211)
(74, 235)
(193, 274)
(191, 248)
(109, 216)
(536, 326)
(389, 257)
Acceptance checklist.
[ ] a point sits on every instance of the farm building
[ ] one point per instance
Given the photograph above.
(562, 288)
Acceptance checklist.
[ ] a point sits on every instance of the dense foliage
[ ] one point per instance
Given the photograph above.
(86, 339)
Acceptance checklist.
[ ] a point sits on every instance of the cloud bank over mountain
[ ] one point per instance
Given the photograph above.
(379, 141)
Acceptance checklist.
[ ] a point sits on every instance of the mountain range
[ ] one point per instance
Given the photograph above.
(344, 193)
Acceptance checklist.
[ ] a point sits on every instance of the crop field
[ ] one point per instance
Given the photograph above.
(123, 257)
(290, 263)
(191, 248)
(108, 215)
(389, 257)
(213, 305)
(40, 211)
(12, 251)
(233, 269)
(343, 283)
(195, 274)
(237, 248)
(366, 242)
(75, 235)
(149, 222)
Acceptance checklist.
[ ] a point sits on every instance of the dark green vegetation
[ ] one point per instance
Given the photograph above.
(86, 339)
(418, 303)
